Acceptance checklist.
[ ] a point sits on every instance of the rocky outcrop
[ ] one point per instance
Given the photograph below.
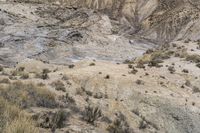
(158, 20)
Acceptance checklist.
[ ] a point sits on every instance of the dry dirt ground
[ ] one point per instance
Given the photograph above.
(162, 98)
(67, 69)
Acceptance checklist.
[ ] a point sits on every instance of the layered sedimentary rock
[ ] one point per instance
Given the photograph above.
(160, 20)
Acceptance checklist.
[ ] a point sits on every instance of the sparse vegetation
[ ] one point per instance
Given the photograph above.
(44, 75)
(98, 95)
(71, 66)
(107, 77)
(140, 65)
(139, 82)
(28, 95)
(12, 77)
(52, 120)
(185, 71)
(154, 58)
(1, 68)
(198, 65)
(143, 124)
(188, 83)
(5, 81)
(92, 64)
(21, 125)
(46, 70)
(171, 69)
(196, 89)
(68, 99)
(24, 76)
(58, 119)
(14, 120)
(92, 114)
(194, 58)
(21, 69)
(65, 77)
(133, 71)
(120, 125)
(187, 41)
(59, 86)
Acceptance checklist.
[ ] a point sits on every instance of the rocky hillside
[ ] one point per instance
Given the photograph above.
(99, 66)
(158, 20)
(63, 31)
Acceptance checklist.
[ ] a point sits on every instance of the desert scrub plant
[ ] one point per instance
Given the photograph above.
(58, 120)
(14, 120)
(21, 125)
(46, 70)
(71, 66)
(1, 68)
(14, 73)
(52, 119)
(195, 89)
(24, 76)
(92, 64)
(18, 71)
(11, 111)
(28, 95)
(187, 41)
(140, 65)
(12, 77)
(171, 69)
(67, 99)
(5, 81)
(92, 114)
(153, 59)
(59, 86)
(139, 82)
(194, 58)
(198, 65)
(65, 77)
(44, 75)
(21, 69)
(119, 125)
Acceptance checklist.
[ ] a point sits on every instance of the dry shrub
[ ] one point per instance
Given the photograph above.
(1, 68)
(154, 58)
(13, 120)
(59, 86)
(194, 58)
(28, 95)
(92, 114)
(120, 125)
(21, 125)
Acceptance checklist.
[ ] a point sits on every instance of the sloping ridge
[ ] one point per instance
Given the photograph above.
(159, 20)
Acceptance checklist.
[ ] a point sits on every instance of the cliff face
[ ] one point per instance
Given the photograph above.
(158, 20)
